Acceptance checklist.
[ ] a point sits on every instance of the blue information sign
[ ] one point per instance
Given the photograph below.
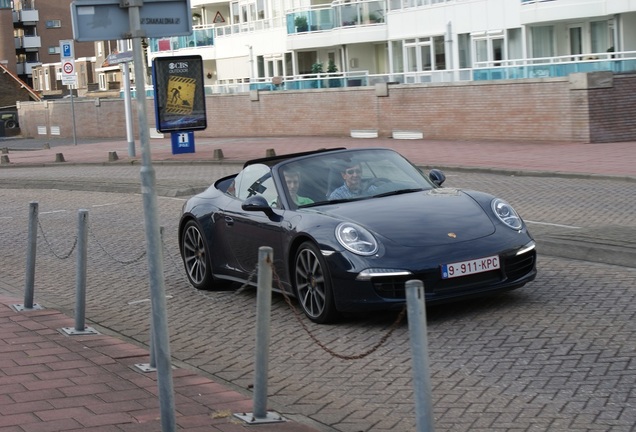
(182, 142)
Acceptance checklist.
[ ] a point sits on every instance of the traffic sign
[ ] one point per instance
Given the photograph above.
(68, 67)
(97, 20)
(67, 57)
(67, 50)
(122, 57)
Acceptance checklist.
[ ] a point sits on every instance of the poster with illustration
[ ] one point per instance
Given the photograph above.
(179, 93)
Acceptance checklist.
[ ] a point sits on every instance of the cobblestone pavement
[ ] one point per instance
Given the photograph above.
(556, 355)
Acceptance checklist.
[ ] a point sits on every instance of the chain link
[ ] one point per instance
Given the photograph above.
(124, 262)
(300, 318)
(62, 257)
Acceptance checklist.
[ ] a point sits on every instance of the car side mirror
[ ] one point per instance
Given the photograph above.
(257, 203)
(437, 176)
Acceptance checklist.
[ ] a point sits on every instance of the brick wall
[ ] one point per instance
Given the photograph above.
(11, 91)
(594, 107)
(613, 112)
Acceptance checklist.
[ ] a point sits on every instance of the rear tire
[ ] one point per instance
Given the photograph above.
(196, 258)
(313, 284)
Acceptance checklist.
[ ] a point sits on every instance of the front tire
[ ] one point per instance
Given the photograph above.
(196, 258)
(313, 284)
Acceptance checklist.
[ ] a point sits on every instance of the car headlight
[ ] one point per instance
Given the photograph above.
(506, 214)
(356, 239)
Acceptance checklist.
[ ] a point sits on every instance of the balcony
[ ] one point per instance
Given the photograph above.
(28, 43)
(545, 11)
(26, 68)
(321, 18)
(26, 16)
(619, 62)
(201, 37)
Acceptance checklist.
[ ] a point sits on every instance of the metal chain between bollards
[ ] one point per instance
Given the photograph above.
(111, 256)
(299, 317)
(62, 257)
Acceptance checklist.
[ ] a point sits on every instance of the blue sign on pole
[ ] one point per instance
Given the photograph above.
(182, 142)
(67, 50)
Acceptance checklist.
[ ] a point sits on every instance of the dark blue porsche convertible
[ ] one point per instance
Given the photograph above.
(348, 228)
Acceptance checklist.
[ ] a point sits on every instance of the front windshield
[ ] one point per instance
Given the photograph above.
(347, 175)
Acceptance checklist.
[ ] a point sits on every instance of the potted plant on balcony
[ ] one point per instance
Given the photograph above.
(301, 24)
(316, 69)
(332, 69)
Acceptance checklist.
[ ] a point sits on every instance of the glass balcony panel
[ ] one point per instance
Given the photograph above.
(204, 37)
(349, 15)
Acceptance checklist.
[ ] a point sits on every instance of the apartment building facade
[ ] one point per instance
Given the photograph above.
(283, 44)
(417, 65)
(30, 35)
(277, 42)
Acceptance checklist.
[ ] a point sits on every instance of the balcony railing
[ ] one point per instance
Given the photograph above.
(200, 37)
(204, 35)
(28, 42)
(622, 62)
(26, 68)
(248, 27)
(26, 16)
(337, 15)
(619, 62)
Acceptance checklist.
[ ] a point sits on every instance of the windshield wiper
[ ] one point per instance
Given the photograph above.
(398, 192)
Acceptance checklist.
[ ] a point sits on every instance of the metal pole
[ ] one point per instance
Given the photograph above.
(70, 90)
(416, 309)
(128, 108)
(263, 312)
(153, 242)
(153, 355)
(80, 286)
(31, 251)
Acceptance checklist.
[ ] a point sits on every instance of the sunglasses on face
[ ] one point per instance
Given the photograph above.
(352, 171)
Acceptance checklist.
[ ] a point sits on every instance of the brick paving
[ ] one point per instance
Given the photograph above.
(557, 357)
(607, 159)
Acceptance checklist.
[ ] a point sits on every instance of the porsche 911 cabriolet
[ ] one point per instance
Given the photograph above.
(348, 228)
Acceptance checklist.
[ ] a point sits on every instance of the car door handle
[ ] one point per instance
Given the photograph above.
(229, 220)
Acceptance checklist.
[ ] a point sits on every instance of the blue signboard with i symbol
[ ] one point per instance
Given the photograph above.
(182, 142)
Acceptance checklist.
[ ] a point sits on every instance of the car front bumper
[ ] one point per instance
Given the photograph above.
(385, 288)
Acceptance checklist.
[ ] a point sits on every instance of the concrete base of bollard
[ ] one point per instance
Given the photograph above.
(59, 157)
(218, 154)
(4, 159)
(112, 156)
(270, 153)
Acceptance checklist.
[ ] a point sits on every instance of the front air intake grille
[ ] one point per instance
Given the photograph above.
(512, 269)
